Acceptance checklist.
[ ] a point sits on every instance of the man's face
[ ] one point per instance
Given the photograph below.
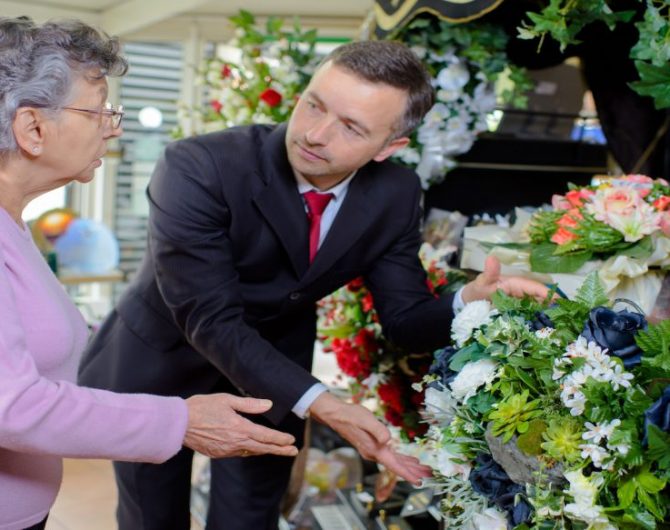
(340, 123)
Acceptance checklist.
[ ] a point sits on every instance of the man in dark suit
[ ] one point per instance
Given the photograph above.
(225, 299)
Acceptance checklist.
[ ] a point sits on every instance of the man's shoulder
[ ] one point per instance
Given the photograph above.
(233, 142)
(392, 175)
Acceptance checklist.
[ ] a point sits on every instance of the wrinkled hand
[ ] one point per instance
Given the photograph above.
(490, 280)
(367, 435)
(215, 428)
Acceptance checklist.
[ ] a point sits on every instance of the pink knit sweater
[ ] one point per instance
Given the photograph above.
(43, 415)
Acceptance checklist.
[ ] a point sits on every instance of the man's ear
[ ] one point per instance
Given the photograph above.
(28, 128)
(390, 148)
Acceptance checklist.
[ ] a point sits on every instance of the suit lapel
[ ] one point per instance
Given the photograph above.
(280, 203)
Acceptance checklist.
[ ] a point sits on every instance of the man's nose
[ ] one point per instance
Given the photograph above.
(319, 132)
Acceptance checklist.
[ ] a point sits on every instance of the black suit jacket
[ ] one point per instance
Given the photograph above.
(225, 298)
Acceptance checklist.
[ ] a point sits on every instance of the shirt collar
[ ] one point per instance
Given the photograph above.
(338, 191)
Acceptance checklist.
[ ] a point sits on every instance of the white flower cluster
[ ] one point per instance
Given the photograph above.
(598, 366)
(584, 491)
(471, 377)
(473, 316)
(451, 126)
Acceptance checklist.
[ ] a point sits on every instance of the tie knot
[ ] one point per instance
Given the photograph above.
(317, 202)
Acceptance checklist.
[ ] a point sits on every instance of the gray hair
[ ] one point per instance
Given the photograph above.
(391, 63)
(38, 65)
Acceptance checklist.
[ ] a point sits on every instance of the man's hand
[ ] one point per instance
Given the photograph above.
(489, 281)
(216, 430)
(371, 439)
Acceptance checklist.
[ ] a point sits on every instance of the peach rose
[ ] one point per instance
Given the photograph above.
(661, 203)
(563, 236)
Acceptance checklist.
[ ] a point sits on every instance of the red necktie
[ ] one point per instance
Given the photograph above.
(316, 204)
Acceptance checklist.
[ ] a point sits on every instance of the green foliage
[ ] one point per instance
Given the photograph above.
(544, 258)
(644, 487)
(513, 415)
(569, 316)
(543, 225)
(658, 448)
(563, 20)
(655, 340)
(592, 292)
(530, 442)
(562, 439)
(526, 306)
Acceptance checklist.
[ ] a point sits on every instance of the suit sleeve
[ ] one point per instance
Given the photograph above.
(411, 316)
(194, 259)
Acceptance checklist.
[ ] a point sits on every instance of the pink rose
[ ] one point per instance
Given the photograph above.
(576, 197)
(216, 105)
(558, 202)
(664, 223)
(642, 183)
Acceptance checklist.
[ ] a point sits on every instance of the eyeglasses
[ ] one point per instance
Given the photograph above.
(114, 113)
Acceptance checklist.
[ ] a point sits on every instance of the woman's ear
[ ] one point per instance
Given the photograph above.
(28, 128)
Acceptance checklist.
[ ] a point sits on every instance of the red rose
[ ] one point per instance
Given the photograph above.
(367, 303)
(355, 285)
(391, 394)
(393, 417)
(662, 203)
(271, 97)
(225, 71)
(216, 105)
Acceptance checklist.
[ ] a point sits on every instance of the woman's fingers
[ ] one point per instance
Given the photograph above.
(253, 448)
(266, 435)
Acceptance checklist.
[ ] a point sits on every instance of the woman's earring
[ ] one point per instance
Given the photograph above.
(35, 149)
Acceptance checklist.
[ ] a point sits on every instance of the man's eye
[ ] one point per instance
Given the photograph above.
(351, 129)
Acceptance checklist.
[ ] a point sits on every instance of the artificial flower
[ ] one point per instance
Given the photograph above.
(472, 316)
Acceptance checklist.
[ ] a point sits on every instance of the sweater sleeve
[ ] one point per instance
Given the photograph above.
(47, 417)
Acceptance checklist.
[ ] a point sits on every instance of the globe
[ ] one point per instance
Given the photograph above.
(87, 247)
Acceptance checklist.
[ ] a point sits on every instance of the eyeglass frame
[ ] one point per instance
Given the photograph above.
(115, 113)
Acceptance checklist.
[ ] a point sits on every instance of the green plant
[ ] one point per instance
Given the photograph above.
(563, 20)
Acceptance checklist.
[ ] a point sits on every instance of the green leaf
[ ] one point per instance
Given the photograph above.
(655, 340)
(640, 250)
(274, 25)
(654, 82)
(543, 258)
(592, 292)
(658, 446)
(471, 352)
(626, 493)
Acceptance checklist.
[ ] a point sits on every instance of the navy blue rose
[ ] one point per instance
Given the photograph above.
(489, 479)
(659, 413)
(616, 331)
(440, 366)
(540, 321)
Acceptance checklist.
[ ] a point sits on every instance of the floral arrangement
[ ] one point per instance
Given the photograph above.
(377, 369)
(623, 216)
(551, 417)
(465, 61)
(263, 86)
(564, 19)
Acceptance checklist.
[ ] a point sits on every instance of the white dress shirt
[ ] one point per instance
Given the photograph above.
(339, 193)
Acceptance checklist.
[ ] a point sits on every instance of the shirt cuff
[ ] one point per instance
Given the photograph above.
(302, 406)
(458, 302)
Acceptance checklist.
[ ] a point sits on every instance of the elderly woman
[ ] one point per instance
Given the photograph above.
(54, 128)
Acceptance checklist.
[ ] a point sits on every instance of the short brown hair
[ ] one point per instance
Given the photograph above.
(394, 64)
